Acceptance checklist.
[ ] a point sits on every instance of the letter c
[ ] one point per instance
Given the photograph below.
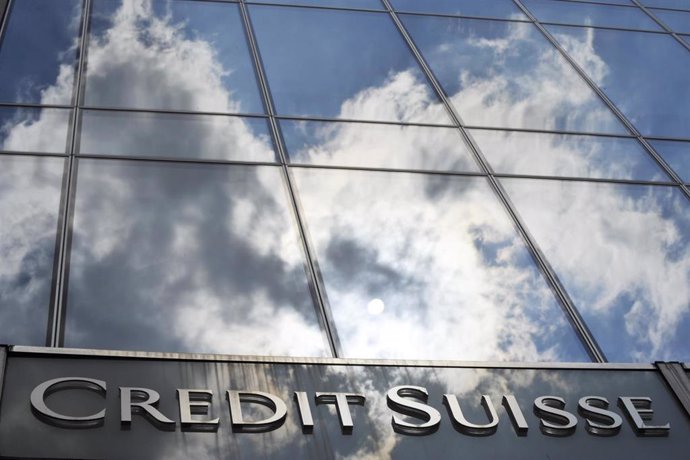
(39, 394)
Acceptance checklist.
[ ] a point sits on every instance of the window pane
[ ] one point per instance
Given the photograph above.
(366, 4)
(679, 4)
(203, 258)
(342, 64)
(590, 14)
(38, 53)
(678, 21)
(29, 208)
(428, 267)
(176, 136)
(26, 129)
(677, 155)
(623, 254)
(567, 155)
(502, 9)
(626, 66)
(505, 74)
(176, 55)
(377, 146)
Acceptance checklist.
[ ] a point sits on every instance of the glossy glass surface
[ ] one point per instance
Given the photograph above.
(428, 267)
(615, 2)
(29, 207)
(505, 74)
(372, 436)
(590, 14)
(365, 4)
(194, 258)
(176, 136)
(178, 55)
(677, 155)
(626, 66)
(501, 9)
(678, 21)
(26, 129)
(565, 155)
(678, 4)
(38, 52)
(623, 254)
(342, 64)
(376, 146)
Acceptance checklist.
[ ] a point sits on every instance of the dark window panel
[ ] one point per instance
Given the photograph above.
(420, 266)
(567, 155)
(677, 155)
(28, 129)
(623, 254)
(179, 55)
(364, 4)
(377, 146)
(506, 75)
(501, 9)
(215, 137)
(678, 21)
(193, 258)
(590, 14)
(342, 64)
(29, 208)
(626, 66)
(38, 53)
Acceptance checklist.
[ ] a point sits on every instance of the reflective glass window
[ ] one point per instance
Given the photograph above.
(626, 66)
(28, 129)
(678, 4)
(180, 257)
(590, 14)
(566, 155)
(377, 146)
(342, 64)
(38, 53)
(623, 254)
(505, 74)
(29, 209)
(216, 137)
(677, 155)
(420, 266)
(678, 21)
(616, 2)
(365, 4)
(177, 55)
(501, 9)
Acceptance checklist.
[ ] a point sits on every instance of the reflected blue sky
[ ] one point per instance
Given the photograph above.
(179, 55)
(505, 74)
(366, 4)
(27, 129)
(590, 14)
(39, 51)
(351, 65)
(677, 155)
(623, 254)
(500, 9)
(29, 206)
(678, 21)
(565, 155)
(422, 266)
(626, 66)
(679, 4)
(195, 258)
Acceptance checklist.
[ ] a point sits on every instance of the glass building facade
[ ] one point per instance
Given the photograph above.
(462, 180)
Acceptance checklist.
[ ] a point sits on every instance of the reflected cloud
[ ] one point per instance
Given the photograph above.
(623, 253)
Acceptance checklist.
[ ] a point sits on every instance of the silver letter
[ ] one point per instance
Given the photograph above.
(542, 408)
(152, 398)
(639, 410)
(304, 411)
(342, 401)
(396, 401)
(41, 391)
(199, 401)
(235, 398)
(597, 412)
(464, 426)
(516, 415)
